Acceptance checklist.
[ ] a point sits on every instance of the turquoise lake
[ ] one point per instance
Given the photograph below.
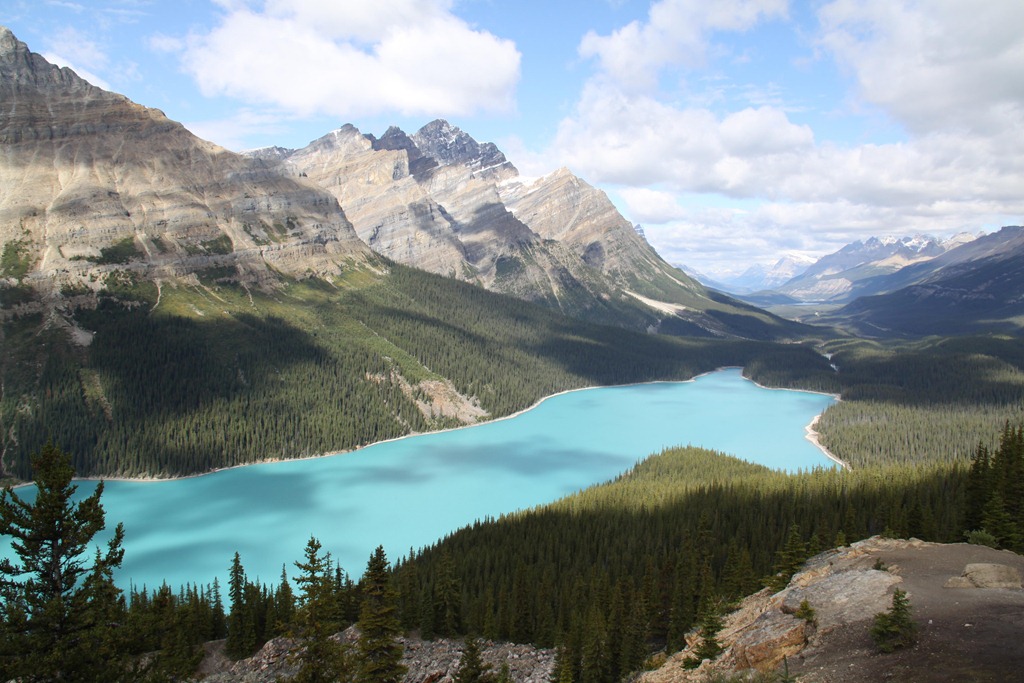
(408, 493)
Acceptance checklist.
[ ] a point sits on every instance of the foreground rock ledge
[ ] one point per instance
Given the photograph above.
(971, 634)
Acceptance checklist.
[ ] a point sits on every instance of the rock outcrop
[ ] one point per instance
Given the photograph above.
(960, 630)
(981, 575)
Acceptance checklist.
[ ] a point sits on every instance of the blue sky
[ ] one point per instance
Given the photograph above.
(734, 131)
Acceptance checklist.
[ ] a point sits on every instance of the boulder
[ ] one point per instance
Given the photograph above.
(762, 646)
(986, 576)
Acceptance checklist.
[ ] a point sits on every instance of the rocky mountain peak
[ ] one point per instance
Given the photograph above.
(23, 68)
(8, 43)
(449, 144)
(395, 139)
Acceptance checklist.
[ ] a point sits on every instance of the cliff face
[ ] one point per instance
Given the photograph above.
(92, 183)
(432, 200)
(83, 170)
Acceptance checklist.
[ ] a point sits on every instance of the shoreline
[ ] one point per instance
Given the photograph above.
(813, 436)
(811, 433)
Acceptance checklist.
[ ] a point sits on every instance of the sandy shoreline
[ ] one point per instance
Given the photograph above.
(811, 433)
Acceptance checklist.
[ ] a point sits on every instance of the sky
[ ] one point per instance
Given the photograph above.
(735, 131)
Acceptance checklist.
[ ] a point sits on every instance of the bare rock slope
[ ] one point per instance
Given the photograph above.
(425, 661)
(83, 170)
(441, 201)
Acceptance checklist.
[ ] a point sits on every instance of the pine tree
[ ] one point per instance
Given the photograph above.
(236, 645)
(895, 628)
(471, 667)
(997, 521)
(448, 597)
(788, 560)
(284, 605)
(594, 657)
(380, 653)
(979, 488)
(709, 647)
(322, 658)
(55, 607)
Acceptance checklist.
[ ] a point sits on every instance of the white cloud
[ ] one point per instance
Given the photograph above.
(720, 241)
(675, 33)
(354, 59)
(933, 65)
(245, 124)
(637, 141)
(648, 206)
(948, 72)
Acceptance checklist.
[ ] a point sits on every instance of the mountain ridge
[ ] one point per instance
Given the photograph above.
(439, 200)
(977, 287)
(841, 275)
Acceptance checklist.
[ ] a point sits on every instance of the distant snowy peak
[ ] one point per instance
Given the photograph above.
(925, 245)
(839, 275)
(759, 276)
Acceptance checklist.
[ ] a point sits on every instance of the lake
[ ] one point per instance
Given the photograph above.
(410, 492)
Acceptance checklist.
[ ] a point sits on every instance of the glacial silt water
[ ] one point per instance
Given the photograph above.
(410, 492)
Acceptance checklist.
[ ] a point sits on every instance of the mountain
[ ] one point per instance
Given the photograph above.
(441, 201)
(93, 183)
(760, 277)
(840, 276)
(169, 307)
(975, 287)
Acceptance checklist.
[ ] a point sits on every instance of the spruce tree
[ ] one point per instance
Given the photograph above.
(322, 658)
(448, 597)
(55, 608)
(709, 647)
(895, 628)
(380, 653)
(471, 666)
(236, 645)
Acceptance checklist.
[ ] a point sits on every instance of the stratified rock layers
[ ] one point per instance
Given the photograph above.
(84, 169)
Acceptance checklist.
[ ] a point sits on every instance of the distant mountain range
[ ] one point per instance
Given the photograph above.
(975, 287)
(856, 269)
(758, 277)
(898, 286)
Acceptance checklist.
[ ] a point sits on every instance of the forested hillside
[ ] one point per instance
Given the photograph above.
(185, 378)
(929, 401)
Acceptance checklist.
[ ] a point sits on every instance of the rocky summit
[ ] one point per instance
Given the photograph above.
(441, 201)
